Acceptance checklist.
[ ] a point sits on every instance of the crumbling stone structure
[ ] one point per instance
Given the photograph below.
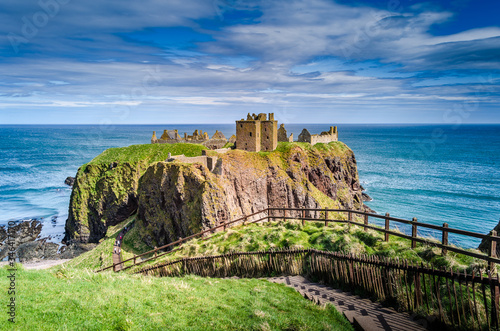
(208, 161)
(325, 137)
(257, 133)
(217, 141)
(282, 135)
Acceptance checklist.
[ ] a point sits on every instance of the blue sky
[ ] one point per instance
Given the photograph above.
(213, 61)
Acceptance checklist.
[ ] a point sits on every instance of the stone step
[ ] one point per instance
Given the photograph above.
(362, 313)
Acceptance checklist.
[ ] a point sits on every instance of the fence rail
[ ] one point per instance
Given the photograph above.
(493, 239)
(301, 213)
(468, 301)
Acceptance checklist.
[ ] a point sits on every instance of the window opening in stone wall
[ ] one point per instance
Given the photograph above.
(250, 134)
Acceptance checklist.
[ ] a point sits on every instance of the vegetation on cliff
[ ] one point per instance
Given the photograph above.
(147, 153)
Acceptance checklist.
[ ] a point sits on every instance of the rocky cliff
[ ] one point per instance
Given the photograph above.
(176, 199)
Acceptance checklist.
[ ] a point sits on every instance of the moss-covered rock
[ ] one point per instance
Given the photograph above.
(105, 190)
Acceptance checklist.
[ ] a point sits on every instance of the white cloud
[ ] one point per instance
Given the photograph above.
(83, 58)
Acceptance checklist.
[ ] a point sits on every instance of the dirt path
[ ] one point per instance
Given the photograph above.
(43, 264)
(117, 248)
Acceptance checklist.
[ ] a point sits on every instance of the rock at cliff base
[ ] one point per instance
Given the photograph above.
(366, 197)
(69, 181)
(485, 244)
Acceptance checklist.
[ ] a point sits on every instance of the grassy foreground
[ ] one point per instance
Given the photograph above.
(78, 299)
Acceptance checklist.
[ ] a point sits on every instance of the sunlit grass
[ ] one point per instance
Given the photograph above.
(79, 299)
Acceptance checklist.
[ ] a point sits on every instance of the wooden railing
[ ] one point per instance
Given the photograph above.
(155, 251)
(286, 214)
(491, 257)
(467, 301)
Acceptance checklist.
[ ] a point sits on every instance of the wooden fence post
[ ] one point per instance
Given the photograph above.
(269, 215)
(303, 217)
(284, 215)
(366, 222)
(245, 220)
(414, 233)
(225, 225)
(326, 217)
(156, 251)
(349, 218)
(493, 250)
(387, 226)
(444, 240)
(134, 258)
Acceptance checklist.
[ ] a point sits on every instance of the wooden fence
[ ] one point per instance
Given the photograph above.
(308, 214)
(351, 218)
(444, 297)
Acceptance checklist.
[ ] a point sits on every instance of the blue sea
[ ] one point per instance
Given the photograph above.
(436, 173)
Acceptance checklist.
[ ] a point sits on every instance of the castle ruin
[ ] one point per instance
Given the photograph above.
(256, 133)
(217, 141)
(282, 135)
(325, 137)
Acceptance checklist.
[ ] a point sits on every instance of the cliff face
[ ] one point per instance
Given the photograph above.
(103, 195)
(176, 199)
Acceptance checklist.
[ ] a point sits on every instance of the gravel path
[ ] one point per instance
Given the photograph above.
(42, 264)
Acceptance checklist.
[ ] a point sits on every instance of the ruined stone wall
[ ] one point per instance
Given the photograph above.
(248, 135)
(322, 139)
(283, 136)
(214, 143)
(199, 137)
(304, 136)
(207, 161)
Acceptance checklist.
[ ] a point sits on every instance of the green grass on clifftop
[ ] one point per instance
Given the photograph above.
(71, 299)
(337, 147)
(147, 152)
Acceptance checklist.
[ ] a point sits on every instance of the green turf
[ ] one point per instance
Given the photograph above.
(147, 152)
(78, 299)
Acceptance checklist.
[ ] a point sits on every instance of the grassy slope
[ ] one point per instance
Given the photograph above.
(72, 299)
(335, 237)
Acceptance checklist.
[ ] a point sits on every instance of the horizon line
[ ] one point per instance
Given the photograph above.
(294, 123)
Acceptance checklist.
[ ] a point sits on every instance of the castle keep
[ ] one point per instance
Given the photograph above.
(257, 133)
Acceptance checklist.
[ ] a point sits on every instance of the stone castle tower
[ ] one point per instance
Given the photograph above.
(257, 133)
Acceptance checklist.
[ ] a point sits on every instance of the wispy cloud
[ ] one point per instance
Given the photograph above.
(159, 58)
